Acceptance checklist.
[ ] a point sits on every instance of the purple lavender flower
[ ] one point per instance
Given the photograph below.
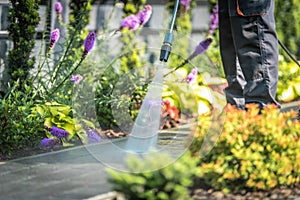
(76, 78)
(185, 3)
(89, 43)
(214, 20)
(93, 136)
(201, 48)
(131, 21)
(58, 132)
(55, 34)
(48, 143)
(192, 76)
(145, 14)
(58, 7)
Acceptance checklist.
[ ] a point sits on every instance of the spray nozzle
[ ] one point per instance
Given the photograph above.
(166, 48)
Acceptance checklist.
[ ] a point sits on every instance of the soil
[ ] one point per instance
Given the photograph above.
(280, 193)
(20, 153)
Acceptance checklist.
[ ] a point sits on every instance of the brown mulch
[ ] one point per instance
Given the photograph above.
(280, 193)
(21, 153)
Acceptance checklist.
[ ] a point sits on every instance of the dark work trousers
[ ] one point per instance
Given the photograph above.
(249, 51)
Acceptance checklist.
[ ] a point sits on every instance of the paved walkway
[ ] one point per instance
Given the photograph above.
(75, 173)
(69, 174)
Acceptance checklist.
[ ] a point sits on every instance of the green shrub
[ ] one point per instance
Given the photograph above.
(255, 152)
(122, 100)
(19, 128)
(167, 183)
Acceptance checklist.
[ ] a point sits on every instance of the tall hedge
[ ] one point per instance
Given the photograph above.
(24, 18)
(287, 16)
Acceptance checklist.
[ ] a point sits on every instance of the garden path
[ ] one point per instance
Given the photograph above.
(72, 174)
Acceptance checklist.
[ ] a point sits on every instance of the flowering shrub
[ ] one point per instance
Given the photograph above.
(255, 151)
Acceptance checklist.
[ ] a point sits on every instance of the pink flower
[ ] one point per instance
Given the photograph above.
(89, 43)
(145, 14)
(76, 78)
(214, 19)
(58, 7)
(185, 3)
(192, 76)
(131, 21)
(55, 34)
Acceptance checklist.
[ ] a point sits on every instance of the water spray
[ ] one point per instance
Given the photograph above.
(144, 133)
(168, 40)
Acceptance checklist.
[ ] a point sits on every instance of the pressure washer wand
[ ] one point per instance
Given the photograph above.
(166, 48)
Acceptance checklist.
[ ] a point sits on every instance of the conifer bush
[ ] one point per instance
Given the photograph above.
(165, 183)
(24, 18)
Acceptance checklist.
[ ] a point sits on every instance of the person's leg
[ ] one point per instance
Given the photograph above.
(257, 49)
(235, 79)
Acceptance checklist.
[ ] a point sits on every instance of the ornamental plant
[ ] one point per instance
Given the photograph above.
(131, 64)
(56, 115)
(255, 151)
(58, 8)
(76, 33)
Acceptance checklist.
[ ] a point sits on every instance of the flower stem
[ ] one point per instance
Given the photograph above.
(179, 66)
(66, 77)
